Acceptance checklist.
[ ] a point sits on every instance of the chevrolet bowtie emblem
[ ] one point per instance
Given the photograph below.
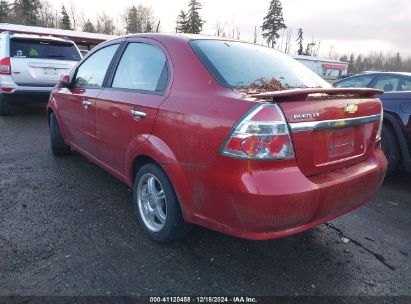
(351, 108)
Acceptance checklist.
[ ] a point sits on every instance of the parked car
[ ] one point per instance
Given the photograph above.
(31, 65)
(396, 100)
(174, 118)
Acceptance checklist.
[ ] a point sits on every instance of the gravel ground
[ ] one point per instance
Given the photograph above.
(68, 228)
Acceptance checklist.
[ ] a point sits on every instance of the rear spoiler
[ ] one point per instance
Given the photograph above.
(302, 94)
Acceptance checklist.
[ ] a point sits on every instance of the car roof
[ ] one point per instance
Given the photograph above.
(406, 74)
(386, 73)
(39, 37)
(177, 37)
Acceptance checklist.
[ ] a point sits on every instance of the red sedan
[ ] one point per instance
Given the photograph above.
(231, 136)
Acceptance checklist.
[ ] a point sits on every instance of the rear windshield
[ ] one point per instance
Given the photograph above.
(25, 48)
(237, 64)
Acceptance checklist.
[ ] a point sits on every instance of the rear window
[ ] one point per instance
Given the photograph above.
(238, 64)
(43, 49)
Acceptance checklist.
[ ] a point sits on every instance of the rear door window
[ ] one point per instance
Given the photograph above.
(387, 83)
(405, 85)
(43, 49)
(142, 67)
(91, 73)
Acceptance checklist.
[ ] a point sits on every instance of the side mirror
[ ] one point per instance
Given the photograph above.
(65, 81)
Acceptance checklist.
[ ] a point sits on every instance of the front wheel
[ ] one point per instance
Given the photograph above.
(157, 206)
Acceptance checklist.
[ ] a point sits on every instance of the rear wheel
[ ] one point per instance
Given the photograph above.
(4, 107)
(58, 146)
(157, 206)
(390, 147)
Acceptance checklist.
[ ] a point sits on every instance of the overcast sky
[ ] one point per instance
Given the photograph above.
(359, 26)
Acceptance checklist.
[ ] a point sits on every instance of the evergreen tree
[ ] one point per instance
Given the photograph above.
(358, 65)
(351, 68)
(273, 23)
(27, 11)
(300, 42)
(182, 23)
(65, 22)
(149, 27)
(5, 11)
(88, 26)
(194, 21)
(344, 58)
(132, 22)
(365, 64)
(397, 65)
(309, 51)
(138, 19)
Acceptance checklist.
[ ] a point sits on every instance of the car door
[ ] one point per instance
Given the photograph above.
(77, 106)
(127, 108)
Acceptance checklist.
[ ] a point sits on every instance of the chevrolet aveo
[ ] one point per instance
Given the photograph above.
(231, 136)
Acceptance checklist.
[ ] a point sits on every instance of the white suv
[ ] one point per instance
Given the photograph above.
(31, 65)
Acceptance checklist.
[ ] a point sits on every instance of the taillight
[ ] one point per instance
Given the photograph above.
(5, 67)
(262, 134)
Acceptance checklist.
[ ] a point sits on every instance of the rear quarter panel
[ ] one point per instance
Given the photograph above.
(398, 105)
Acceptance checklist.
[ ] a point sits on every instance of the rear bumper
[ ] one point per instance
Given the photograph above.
(22, 96)
(249, 201)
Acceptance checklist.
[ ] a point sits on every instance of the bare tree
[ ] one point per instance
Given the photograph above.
(46, 15)
(72, 11)
(237, 33)
(288, 41)
(317, 51)
(255, 35)
(220, 28)
(105, 24)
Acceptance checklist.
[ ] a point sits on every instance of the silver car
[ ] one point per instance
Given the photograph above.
(31, 65)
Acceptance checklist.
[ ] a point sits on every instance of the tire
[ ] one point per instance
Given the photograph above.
(58, 146)
(390, 147)
(4, 107)
(157, 206)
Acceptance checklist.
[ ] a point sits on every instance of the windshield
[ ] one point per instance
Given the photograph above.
(238, 64)
(31, 48)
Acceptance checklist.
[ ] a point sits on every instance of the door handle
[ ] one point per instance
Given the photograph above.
(86, 104)
(138, 114)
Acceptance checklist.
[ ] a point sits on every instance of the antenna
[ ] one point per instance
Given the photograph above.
(158, 26)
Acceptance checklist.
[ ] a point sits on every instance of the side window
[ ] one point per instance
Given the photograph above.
(91, 73)
(387, 83)
(142, 67)
(405, 85)
(355, 82)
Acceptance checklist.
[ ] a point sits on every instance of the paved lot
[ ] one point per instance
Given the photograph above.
(68, 228)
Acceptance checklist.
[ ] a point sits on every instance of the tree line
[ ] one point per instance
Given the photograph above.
(135, 19)
(376, 61)
(140, 19)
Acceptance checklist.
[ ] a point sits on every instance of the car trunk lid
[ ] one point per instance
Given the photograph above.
(330, 128)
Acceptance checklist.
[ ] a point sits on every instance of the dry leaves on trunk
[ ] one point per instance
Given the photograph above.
(262, 85)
